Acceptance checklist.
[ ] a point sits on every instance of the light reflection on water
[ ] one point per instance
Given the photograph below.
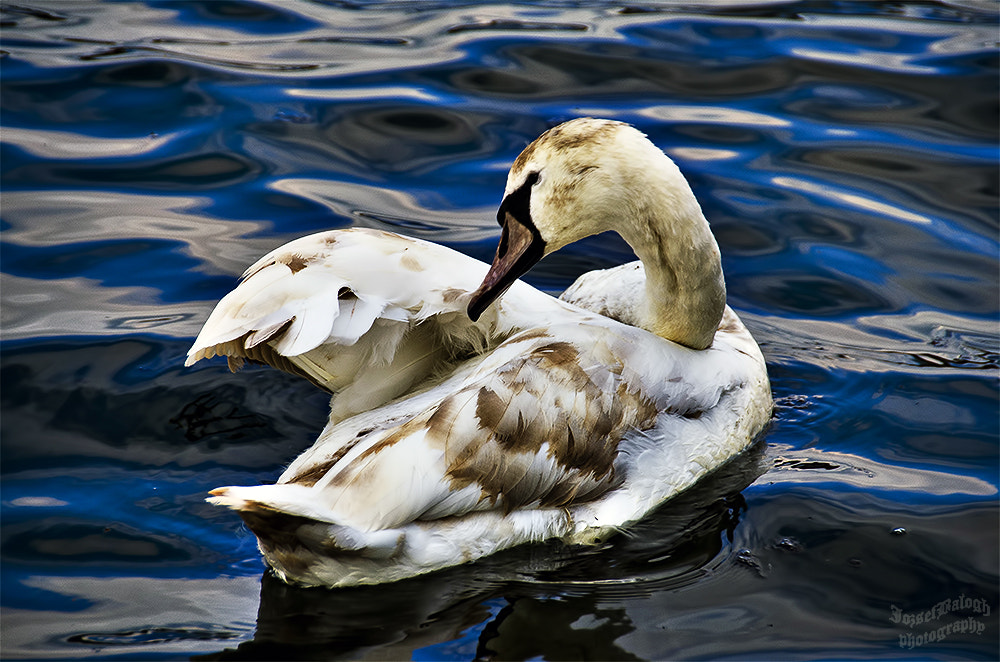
(845, 155)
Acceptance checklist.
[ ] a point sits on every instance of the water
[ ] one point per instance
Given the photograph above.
(845, 153)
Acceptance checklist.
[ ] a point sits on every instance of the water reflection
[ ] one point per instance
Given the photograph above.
(112, 615)
(844, 154)
(816, 466)
(67, 145)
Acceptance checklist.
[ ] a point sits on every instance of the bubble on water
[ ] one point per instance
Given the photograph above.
(747, 558)
(292, 116)
(789, 544)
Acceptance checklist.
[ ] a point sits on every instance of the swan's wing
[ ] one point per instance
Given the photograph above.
(532, 423)
(362, 313)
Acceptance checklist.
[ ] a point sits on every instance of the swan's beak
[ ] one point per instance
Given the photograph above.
(521, 246)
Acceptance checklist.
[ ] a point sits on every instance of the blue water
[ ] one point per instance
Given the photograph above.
(844, 152)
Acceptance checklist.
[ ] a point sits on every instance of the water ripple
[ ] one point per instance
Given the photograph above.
(844, 153)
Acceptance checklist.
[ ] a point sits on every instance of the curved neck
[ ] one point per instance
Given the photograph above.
(685, 291)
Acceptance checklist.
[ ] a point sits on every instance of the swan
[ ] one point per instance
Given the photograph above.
(472, 412)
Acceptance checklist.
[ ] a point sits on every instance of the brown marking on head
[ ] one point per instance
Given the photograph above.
(522, 159)
(567, 136)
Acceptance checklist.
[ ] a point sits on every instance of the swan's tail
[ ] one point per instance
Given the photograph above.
(305, 547)
(300, 543)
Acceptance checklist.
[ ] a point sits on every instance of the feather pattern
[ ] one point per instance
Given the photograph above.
(450, 438)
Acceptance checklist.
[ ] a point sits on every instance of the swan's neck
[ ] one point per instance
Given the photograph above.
(685, 292)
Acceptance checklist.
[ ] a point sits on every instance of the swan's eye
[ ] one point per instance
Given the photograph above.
(532, 178)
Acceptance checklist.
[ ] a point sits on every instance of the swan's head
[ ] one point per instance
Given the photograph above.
(577, 179)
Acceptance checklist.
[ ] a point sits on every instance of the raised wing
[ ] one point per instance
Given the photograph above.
(363, 314)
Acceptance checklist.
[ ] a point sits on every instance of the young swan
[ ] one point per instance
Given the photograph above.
(466, 419)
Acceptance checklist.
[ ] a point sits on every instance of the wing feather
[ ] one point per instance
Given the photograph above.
(342, 307)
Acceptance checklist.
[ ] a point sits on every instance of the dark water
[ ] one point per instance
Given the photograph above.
(845, 153)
